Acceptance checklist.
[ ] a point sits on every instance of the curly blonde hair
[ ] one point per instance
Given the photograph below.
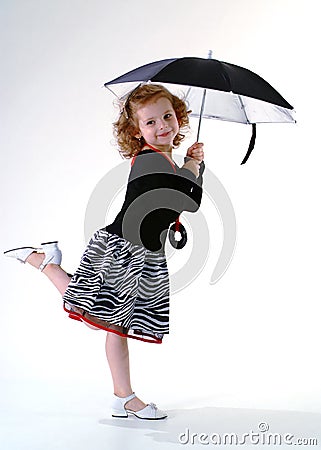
(126, 127)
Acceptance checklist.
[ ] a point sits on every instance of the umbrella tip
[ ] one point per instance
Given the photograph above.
(210, 53)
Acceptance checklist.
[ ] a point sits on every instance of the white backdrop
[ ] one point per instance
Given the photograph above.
(252, 339)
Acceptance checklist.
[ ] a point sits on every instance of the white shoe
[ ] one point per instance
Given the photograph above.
(50, 249)
(21, 253)
(150, 412)
(52, 254)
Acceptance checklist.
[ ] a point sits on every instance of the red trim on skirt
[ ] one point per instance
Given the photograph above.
(76, 316)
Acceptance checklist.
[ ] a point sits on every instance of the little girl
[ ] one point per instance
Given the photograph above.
(122, 282)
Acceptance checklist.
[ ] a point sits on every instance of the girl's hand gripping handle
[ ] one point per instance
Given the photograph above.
(195, 154)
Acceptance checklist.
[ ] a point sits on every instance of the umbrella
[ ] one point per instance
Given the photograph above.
(217, 90)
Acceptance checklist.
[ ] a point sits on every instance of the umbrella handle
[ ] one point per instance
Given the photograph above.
(201, 115)
(177, 226)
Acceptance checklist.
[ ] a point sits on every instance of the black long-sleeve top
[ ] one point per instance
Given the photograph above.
(158, 191)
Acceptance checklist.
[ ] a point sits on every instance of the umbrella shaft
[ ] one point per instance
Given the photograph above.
(201, 114)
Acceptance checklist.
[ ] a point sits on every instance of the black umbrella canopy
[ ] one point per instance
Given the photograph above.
(217, 90)
(207, 74)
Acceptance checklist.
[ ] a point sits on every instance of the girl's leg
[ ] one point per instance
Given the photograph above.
(55, 273)
(118, 359)
(116, 346)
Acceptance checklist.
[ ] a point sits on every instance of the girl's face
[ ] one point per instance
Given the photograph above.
(158, 124)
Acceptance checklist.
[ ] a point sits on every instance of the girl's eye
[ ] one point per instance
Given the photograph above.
(168, 116)
(150, 122)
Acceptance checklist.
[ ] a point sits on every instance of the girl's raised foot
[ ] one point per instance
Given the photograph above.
(50, 251)
(21, 253)
(52, 254)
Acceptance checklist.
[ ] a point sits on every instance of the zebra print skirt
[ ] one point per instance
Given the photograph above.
(122, 288)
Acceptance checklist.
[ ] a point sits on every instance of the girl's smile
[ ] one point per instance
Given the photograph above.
(164, 134)
(158, 124)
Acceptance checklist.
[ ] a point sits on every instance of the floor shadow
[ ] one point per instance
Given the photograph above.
(185, 426)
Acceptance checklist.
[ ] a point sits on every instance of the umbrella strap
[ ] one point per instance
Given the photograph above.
(251, 145)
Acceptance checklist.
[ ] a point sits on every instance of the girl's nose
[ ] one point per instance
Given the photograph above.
(162, 124)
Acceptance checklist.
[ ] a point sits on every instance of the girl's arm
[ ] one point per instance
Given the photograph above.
(194, 158)
(194, 162)
(152, 171)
